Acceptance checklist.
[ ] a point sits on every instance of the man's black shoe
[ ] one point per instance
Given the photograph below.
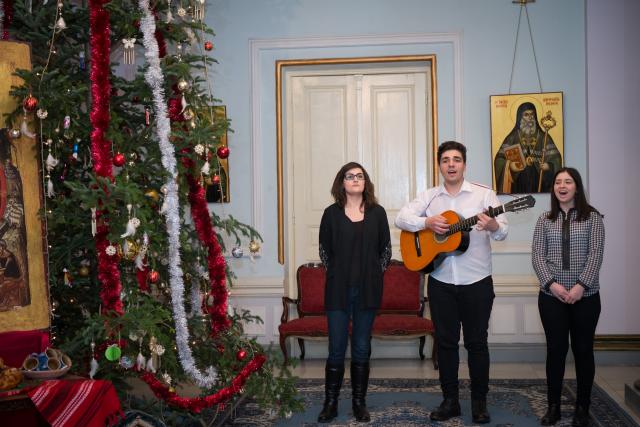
(449, 408)
(580, 417)
(552, 416)
(479, 412)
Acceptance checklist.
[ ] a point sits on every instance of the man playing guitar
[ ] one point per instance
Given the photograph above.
(460, 288)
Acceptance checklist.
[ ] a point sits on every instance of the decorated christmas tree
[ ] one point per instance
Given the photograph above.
(120, 102)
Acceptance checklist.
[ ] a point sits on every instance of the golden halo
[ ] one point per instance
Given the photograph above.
(517, 102)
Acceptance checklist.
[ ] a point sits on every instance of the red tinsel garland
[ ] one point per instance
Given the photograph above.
(197, 404)
(100, 44)
(108, 272)
(7, 6)
(216, 262)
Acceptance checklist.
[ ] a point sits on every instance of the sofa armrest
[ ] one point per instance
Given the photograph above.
(285, 308)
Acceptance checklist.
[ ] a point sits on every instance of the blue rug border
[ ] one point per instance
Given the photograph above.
(605, 410)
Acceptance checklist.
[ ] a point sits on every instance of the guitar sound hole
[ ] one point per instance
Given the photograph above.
(440, 238)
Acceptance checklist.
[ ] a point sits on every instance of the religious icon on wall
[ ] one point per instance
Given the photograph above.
(14, 271)
(527, 141)
(24, 288)
(217, 183)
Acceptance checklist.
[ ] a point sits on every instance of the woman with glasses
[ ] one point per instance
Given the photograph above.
(355, 247)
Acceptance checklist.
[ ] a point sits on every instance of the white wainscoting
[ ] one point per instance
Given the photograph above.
(514, 319)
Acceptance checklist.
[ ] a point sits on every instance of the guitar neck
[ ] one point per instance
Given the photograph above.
(467, 223)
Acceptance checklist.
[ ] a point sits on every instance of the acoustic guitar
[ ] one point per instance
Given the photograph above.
(424, 249)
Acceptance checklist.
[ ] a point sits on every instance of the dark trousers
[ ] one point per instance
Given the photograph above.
(561, 321)
(469, 306)
(362, 322)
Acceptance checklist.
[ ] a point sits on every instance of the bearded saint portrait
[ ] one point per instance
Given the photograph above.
(14, 282)
(524, 163)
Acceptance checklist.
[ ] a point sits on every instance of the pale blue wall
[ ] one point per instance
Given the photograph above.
(487, 28)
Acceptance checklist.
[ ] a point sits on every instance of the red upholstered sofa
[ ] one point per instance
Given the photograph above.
(400, 315)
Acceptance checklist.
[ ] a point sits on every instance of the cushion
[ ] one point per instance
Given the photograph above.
(311, 283)
(400, 324)
(401, 289)
(310, 326)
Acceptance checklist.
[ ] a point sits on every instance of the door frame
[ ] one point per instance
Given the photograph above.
(281, 67)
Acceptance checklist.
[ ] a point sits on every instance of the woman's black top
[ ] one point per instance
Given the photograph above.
(355, 276)
(337, 237)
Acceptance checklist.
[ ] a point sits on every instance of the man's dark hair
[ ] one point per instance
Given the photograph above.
(452, 145)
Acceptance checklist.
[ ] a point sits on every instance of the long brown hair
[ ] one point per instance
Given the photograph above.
(340, 196)
(582, 206)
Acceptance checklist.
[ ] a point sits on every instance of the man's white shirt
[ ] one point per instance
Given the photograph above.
(475, 263)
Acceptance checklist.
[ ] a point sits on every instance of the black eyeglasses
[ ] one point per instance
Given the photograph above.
(351, 177)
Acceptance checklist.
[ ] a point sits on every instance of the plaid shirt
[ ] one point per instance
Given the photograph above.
(568, 251)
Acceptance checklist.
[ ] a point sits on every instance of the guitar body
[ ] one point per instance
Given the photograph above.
(422, 250)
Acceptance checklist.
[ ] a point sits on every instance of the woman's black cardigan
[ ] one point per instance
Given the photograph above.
(336, 235)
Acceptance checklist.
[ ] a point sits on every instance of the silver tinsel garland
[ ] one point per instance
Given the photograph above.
(155, 80)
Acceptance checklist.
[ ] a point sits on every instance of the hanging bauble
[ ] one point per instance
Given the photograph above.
(119, 159)
(112, 353)
(15, 133)
(154, 276)
(237, 252)
(241, 354)
(182, 12)
(208, 45)
(152, 194)
(126, 362)
(254, 246)
(183, 85)
(188, 114)
(215, 180)
(130, 249)
(83, 271)
(223, 152)
(42, 114)
(30, 103)
(166, 378)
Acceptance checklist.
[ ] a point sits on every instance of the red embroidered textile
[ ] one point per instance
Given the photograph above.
(87, 403)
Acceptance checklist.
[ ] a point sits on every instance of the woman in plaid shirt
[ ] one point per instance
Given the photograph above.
(568, 244)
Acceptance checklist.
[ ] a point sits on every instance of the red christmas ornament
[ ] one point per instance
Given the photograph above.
(30, 103)
(215, 180)
(208, 45)
(241, 354)
(119, 159)
(223, 152)
(154, 276)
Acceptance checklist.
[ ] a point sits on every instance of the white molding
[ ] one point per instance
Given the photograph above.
(257, 287)
(510, 247)
(515, 285)
(256, 46)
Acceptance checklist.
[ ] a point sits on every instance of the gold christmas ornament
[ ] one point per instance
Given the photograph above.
(188, 114)
(254, 246)
(130, 249)
(83, 271)
(183, 85)
(152, 194)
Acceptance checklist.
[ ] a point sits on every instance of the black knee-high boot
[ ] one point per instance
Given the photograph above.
(333, 376)
(359, 385)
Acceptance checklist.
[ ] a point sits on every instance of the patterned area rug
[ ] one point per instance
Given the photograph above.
(407, 402)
